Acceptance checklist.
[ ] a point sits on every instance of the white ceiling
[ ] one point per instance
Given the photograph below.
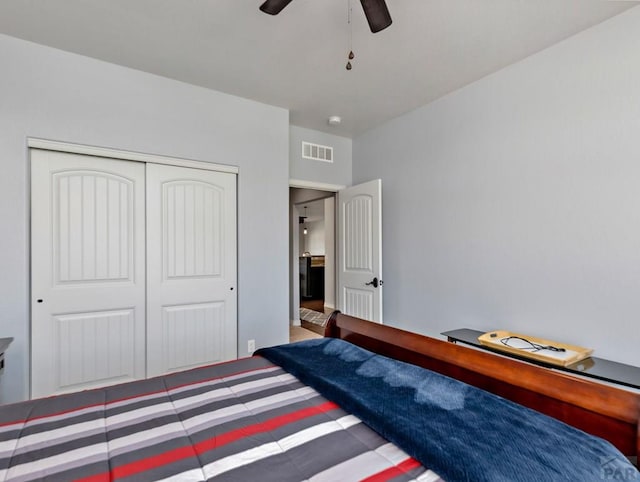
(297, 59)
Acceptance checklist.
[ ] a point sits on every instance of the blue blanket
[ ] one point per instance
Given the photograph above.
(459, 431)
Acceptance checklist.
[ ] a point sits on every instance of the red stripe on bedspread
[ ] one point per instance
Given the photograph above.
(387, 474)
(133, 397)
(209, 444)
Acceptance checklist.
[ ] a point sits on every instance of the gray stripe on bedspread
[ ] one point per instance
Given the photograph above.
(157, 409)
(130, 423)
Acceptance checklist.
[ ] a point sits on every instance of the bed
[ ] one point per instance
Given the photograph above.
(355, 405)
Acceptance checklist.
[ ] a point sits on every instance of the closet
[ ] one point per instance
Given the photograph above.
(133, 270)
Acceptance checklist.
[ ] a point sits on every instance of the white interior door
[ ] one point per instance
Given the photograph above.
(191, 268)
(87, 271)
(360, 250)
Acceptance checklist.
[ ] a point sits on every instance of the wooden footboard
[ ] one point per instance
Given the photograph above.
(602, 410)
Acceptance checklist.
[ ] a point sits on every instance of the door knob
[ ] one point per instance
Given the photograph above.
(373, 282)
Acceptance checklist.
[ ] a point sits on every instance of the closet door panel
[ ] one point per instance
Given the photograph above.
(191, 270)
(195, 332)
(88, 272)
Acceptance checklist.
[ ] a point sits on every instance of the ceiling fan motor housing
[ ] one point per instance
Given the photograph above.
(376, 12)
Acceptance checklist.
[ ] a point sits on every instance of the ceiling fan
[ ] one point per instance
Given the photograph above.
(376, 12)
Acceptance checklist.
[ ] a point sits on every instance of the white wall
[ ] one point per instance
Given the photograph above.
(51, 94)
(314, 239)
(515, 202)
(337, 172)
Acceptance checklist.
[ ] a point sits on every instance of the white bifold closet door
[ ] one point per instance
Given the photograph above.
(191, 268)
(87, 272)
(133, 270)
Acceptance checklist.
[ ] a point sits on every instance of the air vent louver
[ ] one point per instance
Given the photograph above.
(317, 152)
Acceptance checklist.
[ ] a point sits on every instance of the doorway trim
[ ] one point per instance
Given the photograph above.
(318, 186)
(294, 302)
(37, 143)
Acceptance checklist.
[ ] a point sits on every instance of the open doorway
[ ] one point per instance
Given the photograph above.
(313, 259)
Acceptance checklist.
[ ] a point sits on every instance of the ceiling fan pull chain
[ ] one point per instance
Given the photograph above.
(350, 57)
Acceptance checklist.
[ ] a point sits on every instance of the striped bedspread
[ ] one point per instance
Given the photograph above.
(247, 420)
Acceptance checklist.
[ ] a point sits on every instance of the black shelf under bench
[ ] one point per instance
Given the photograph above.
(593, 367)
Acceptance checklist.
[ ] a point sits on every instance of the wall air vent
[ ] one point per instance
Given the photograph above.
(317, 152)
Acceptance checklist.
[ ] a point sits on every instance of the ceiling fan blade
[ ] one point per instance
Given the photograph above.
(377, 14)
(274, 7)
